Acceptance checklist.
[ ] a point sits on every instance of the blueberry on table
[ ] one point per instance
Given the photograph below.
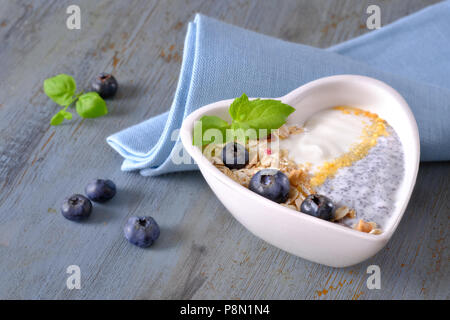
(141, 231)
(318, 206)
(271, 184)
(235, 155)
(76, 208)
(100, 190)
(105, 85)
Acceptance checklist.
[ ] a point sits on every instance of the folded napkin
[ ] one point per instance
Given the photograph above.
(221, 61)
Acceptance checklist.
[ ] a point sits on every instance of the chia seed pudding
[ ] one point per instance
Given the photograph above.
(345, 159)
(369, 186)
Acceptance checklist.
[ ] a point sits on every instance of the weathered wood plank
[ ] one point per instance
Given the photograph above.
(202, 252)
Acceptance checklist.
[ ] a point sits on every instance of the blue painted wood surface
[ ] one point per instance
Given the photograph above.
(202, 252)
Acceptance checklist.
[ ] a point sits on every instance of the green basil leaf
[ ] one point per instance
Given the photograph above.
(91, 105)
(202, 137)
(57, 119)
(67, 115)
(266, 114)
(240, 108)
(60, 89)
(251, 119)
(241, 132)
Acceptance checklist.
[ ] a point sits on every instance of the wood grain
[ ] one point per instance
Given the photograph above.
(203, 252)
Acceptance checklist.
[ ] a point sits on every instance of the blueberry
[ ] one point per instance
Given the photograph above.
(141, 231)
(318, 206)
(100, 190)
(271, 184)
(235, 155)
(76, 208)
(105, 85)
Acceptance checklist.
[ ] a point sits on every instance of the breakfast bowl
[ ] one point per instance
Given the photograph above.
(300, 234)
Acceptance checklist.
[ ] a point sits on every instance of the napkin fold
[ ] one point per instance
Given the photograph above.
(221, 61)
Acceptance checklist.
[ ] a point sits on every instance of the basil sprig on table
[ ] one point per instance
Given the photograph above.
(260, 115)
(62, 90)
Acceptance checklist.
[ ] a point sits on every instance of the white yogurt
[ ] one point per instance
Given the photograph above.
(328, 134)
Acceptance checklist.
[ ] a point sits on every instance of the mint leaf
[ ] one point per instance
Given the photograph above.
(91, 105)
(251, 119)
(60, 89)
(239, 107)
(57, 119)
(67, 115)
(242, 132)
(259, 114)
(265, 114)
(201, 136)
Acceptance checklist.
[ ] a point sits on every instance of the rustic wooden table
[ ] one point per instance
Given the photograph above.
(202, 252)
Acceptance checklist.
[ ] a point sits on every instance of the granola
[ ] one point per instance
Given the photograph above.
(368, 227)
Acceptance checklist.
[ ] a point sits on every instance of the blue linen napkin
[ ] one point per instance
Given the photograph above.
(221, 61)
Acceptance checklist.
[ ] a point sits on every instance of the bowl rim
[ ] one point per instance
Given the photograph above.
(205, 165)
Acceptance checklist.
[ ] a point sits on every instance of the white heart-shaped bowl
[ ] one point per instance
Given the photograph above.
(297, 233)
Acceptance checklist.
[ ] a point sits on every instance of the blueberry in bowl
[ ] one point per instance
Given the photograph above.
(76, 208)
(271, 184)
(100, 190)
(318, 206)
(141, 231)
(235, 155)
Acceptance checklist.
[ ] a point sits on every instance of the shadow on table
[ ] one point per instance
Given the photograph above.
(114, 209)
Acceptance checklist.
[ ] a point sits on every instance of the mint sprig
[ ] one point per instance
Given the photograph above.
(261, 115)
(62, 90)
